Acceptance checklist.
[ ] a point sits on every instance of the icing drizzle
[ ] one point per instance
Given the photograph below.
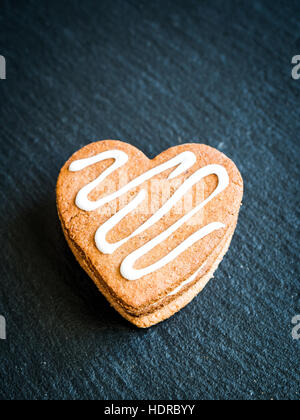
(181, 163)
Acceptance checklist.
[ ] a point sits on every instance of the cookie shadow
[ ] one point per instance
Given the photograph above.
(54, 271)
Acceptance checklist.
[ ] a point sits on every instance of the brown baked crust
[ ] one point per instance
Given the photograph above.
(145, 302)
(169, 306)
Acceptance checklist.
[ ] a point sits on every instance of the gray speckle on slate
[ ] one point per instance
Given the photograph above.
(155, 74)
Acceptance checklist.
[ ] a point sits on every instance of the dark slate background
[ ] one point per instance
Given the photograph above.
(155, 74)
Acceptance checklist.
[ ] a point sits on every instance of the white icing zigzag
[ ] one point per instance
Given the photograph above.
(182, 163)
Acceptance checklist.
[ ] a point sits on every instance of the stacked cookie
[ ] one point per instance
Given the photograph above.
(150, 233)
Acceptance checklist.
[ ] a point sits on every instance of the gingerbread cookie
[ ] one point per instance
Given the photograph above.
(150, 233)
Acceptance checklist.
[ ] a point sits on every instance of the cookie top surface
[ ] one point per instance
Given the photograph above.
(147, 225)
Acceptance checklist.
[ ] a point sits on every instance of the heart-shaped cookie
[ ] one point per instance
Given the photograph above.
(150, 233)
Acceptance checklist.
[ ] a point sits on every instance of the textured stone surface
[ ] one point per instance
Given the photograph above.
(155, 74)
